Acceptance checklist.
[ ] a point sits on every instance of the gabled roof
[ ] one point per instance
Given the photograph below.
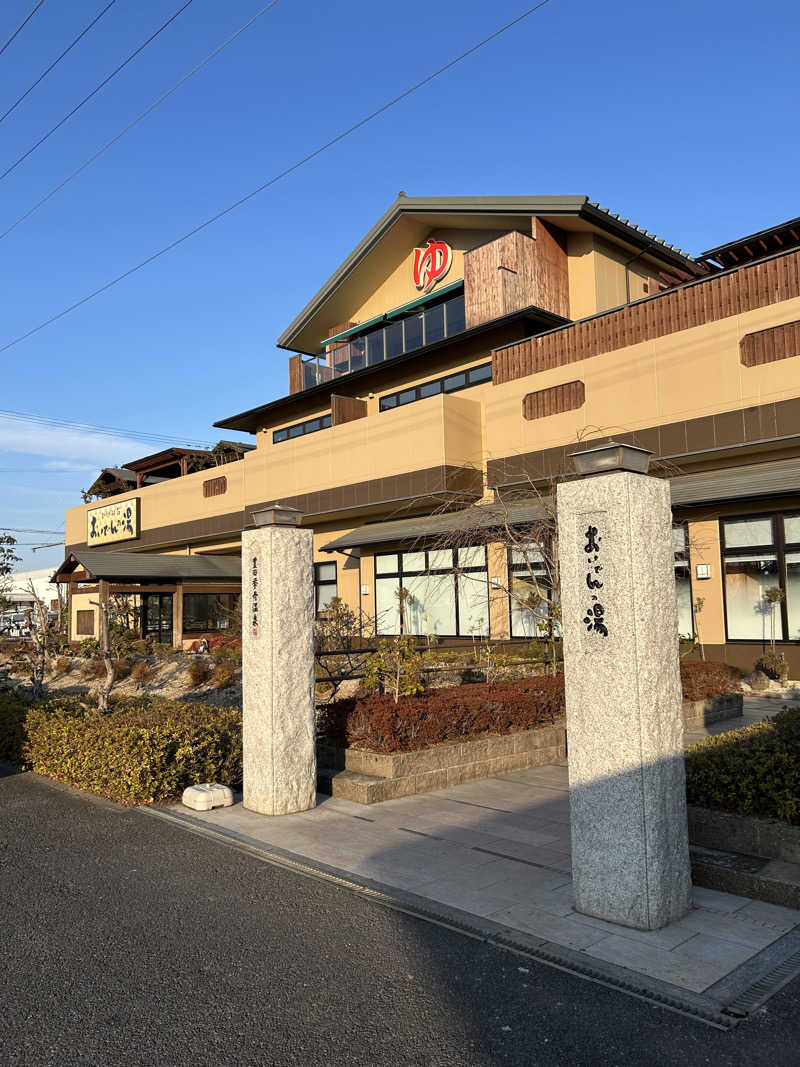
(439, 211)
(150, 566)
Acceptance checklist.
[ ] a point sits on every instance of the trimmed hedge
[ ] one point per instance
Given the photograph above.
(378, 724)
(702, 680)
(753, 771)
(140, 752)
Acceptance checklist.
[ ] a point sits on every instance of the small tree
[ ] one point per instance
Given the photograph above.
(36, 618)
(772, 596)
(697, 609)
(339, 636)
(8, 558)
(104, 689)
(396, 667)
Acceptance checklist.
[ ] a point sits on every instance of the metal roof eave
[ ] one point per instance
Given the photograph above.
(546, 206)
(234, 421)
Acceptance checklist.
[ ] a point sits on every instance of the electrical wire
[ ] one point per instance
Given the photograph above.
(137, 120)
(277, 177)
(24, 529)
(94, 91)
(106, 431)
(21, 26)
(55, 62)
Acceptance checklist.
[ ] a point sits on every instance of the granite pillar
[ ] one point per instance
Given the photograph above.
(280, 765)
(630, 852)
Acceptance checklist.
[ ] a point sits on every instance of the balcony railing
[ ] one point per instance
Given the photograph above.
(383, 343)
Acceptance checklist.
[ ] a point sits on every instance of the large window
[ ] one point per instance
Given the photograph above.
(762, 553)
(683, 581)
(531, 592)
(421, 327)
(433, 591)
(206, 612)
(325, 585)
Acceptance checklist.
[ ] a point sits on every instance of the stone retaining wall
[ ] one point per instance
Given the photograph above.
(368, 777)
(700, 713)
(723, 830)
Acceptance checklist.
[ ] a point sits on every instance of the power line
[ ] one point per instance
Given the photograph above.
(272, 181)
(137, 120)
(46, 470)
(106, 431)
(55, 62)
(94, 91)
(21, 26)
(25, 529)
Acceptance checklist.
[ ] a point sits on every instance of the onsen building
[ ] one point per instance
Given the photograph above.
(455, 359)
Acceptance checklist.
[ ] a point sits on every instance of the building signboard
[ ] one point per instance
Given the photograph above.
(115, 521)
(431, 264)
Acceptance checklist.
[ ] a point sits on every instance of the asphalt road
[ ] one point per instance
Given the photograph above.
(125, 940)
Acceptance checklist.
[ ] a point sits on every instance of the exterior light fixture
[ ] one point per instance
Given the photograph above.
(612, 456)
(277, 515)
(703, 570)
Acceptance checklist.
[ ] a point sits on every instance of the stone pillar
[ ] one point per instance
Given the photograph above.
(279, 735)
(630, 851)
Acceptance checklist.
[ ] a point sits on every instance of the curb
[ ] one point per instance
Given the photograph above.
(764, 973)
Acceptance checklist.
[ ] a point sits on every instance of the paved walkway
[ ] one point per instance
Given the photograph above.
(499, 850)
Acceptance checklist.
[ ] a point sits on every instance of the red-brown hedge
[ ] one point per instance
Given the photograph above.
(702, 680)
(378, 724)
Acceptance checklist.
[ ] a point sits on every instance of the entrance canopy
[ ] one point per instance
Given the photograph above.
(95, 565)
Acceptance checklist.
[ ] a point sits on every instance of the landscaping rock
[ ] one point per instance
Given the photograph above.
(758, 681)
(207, 796)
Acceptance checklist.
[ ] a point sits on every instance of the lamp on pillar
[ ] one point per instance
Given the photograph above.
(612, 456)
(277, 515)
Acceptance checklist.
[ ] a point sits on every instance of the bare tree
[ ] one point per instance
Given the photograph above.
(40, 637)
(104, 689)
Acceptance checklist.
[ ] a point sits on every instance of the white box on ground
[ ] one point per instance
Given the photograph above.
(206, 796)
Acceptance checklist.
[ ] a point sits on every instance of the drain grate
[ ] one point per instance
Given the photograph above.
(755, 995)
(731, 861)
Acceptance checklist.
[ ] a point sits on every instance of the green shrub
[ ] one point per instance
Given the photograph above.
(141, 751)
(229, 652)
(142, 674)
(199, 672)
(754, 771)
(223, 675)
(63, 665)
(162, 650)
(12, 728)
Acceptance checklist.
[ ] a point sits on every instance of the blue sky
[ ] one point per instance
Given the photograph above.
(680, 117)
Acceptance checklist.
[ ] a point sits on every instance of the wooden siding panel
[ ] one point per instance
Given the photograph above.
(770, 345)
(554, 401)
(745, 289)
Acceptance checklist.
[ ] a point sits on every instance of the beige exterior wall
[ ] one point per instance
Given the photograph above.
(597, 270)
(683, 375)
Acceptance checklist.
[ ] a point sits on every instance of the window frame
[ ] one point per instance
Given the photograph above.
(778, 549)
(320, 584)
(686, 557)
(303, 428)
(454, 571)
(514, 568)
(205, 630)
(391, 401)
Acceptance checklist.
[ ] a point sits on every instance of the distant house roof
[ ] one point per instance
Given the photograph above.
(149, 566)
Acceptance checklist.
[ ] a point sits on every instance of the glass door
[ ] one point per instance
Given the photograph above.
(157, 617)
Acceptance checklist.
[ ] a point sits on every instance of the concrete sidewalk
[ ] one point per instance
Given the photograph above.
(497, 852)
